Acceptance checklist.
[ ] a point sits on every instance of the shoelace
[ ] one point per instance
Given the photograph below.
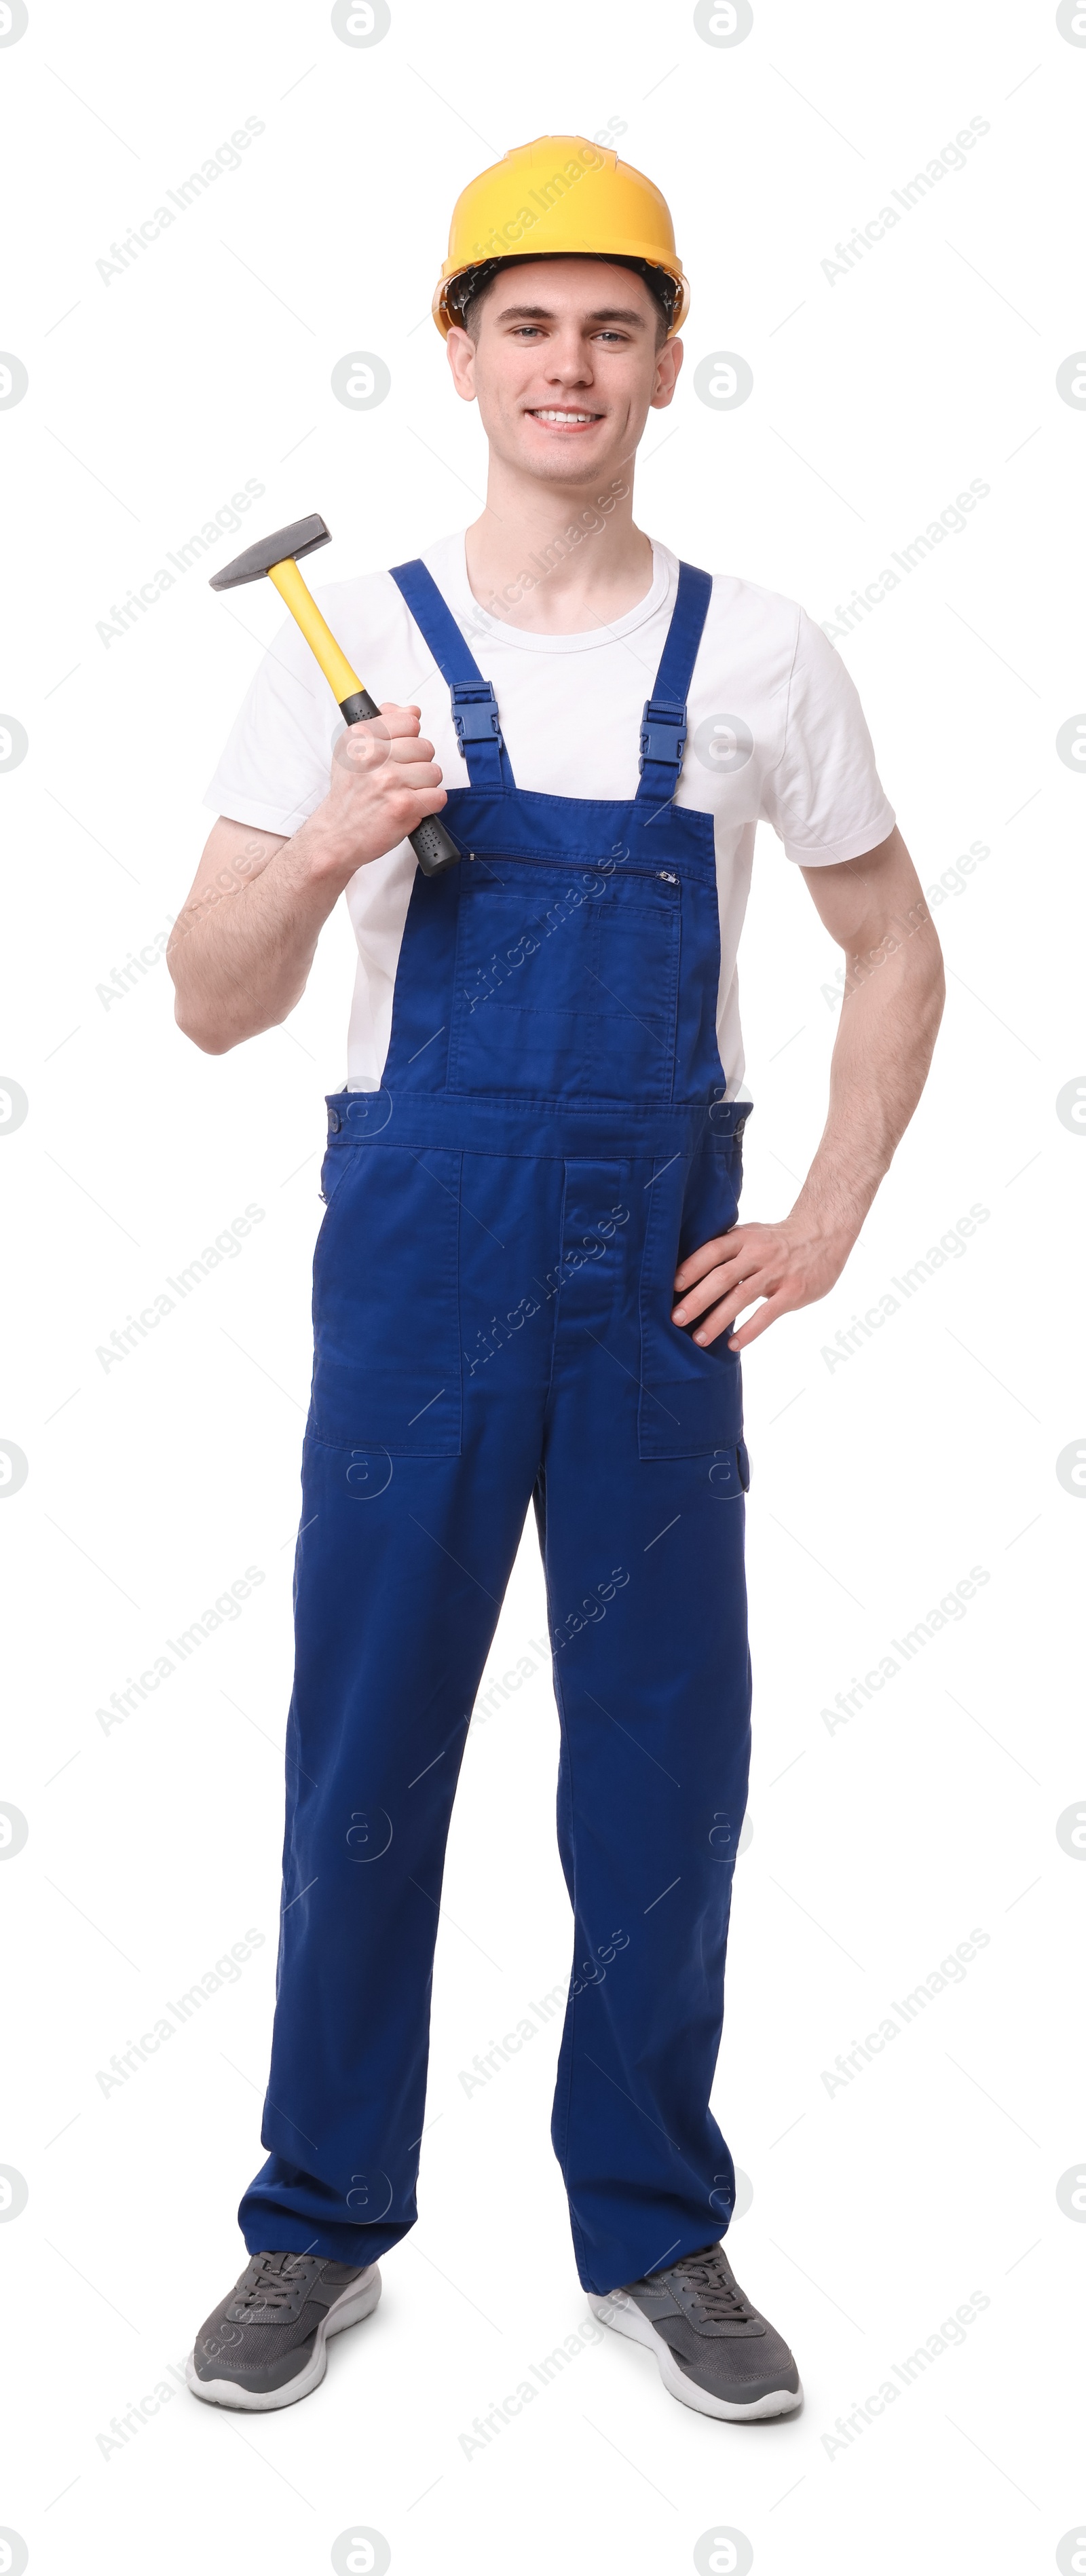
(274, 2282)
(721, 2300)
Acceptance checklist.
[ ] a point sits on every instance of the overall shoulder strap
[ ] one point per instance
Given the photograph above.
(663, 722)
(474, 705)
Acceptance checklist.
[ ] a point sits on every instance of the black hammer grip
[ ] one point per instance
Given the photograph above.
(433, 846)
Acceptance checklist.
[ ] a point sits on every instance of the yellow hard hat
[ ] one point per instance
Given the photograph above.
(561, 193)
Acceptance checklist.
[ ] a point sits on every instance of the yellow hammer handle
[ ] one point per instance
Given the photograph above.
(343, 682)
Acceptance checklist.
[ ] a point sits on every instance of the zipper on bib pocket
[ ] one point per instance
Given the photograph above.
(521, 859)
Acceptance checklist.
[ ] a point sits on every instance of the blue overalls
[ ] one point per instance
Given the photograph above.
(493, 1284)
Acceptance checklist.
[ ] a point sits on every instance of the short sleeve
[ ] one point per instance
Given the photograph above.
(825, 798)
(274, 769)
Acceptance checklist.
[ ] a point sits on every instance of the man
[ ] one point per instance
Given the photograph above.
(537, 1146)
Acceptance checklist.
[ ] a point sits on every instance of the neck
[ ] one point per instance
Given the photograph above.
(561, 559)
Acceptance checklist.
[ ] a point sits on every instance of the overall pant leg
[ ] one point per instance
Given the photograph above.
(645, 1579)
(397, 1598)
(402, 1564)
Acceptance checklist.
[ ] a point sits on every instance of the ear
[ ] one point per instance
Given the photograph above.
(460, 351)
(668, 362)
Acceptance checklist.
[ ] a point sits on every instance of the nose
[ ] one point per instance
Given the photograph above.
(569, 360)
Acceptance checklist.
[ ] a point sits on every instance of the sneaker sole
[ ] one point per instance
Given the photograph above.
(357, 2301)
(626, 2318)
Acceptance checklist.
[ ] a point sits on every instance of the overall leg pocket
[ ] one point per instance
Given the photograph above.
(691, 1399)
(386, 1319)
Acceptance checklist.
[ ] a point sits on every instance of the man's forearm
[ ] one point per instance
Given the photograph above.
(893, 1003)
(240, 954)
(242, 948)
(890, 1015)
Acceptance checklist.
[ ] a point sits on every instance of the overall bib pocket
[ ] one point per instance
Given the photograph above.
(566, 980)
(386, 1321)
(691, 1399)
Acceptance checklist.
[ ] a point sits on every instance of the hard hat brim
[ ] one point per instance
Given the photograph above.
(630, 250)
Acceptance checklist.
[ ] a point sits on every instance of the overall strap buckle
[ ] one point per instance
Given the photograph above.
(663, 735)
(475, 712)
(663, 720)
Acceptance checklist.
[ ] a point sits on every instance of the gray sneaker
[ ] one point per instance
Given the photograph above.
(265, 2345)
(715, 2352)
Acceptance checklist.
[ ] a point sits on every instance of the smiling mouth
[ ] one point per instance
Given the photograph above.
(554, 418)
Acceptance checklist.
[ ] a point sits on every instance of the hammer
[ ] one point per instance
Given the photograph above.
(277, 556)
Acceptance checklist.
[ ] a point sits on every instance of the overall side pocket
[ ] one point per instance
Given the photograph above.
(386, 1306)
(691, 1397)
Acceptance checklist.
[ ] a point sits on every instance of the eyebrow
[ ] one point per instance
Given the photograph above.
(543, 313)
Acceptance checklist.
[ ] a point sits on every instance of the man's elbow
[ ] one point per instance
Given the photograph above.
(216, 1033)
(934, 969)
(930, 986)
(206, 1034)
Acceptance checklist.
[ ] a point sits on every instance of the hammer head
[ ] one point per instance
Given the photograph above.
(301, 538)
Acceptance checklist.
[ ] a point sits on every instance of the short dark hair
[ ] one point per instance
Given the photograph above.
(466, 294)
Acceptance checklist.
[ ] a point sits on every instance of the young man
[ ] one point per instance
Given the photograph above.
(538, 1144)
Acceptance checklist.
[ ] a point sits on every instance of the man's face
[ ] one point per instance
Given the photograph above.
(565, 368)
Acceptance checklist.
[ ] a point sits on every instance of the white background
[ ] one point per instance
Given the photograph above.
(877, 1484)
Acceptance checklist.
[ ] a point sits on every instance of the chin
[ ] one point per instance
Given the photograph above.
(572, 461)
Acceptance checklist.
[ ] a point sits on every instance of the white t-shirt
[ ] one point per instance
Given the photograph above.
(776, 731)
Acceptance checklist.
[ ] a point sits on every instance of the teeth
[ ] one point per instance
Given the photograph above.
(564, 415)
